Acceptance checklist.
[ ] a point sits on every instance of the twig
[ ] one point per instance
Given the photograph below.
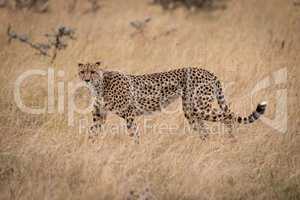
(40, 47)
(55, 41)
(39, 5)
(171, 4)
(139, 25)
(166, 33)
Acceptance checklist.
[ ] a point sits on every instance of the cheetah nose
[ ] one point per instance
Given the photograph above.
(87, 80)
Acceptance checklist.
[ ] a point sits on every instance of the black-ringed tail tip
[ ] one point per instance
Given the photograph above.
(261, 107)
(260, 110)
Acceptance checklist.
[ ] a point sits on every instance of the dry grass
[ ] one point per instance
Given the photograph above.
(41, 157)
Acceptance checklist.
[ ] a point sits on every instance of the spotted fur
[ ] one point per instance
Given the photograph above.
(130, 96)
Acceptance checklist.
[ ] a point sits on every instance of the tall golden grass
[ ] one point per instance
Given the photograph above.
(41, 157)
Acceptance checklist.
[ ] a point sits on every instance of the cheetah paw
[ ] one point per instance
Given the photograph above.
(94, 130)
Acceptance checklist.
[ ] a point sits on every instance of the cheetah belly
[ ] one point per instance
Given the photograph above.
(154, 95)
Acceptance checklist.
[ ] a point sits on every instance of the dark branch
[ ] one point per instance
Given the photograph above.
(41, 48)
(56, 40)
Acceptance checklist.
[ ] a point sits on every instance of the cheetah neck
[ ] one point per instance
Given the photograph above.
(97, 87)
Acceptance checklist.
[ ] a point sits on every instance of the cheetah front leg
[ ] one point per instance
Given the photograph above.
(99, 118)
(132, 129)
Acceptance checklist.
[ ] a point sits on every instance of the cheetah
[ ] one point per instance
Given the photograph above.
(130, 96)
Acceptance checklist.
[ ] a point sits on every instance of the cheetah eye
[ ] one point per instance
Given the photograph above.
(81, 72)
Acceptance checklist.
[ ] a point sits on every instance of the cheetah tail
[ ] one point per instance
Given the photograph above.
(260, 110)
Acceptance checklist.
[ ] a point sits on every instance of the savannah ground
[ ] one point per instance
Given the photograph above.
(245, 45)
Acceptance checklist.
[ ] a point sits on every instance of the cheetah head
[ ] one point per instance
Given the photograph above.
(90, 72)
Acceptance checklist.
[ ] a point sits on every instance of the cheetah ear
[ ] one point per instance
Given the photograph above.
(80, 64)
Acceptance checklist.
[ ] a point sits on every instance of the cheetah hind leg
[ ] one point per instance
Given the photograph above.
(198, 126)
(133, 130)
(202, 129)
(231, 127)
